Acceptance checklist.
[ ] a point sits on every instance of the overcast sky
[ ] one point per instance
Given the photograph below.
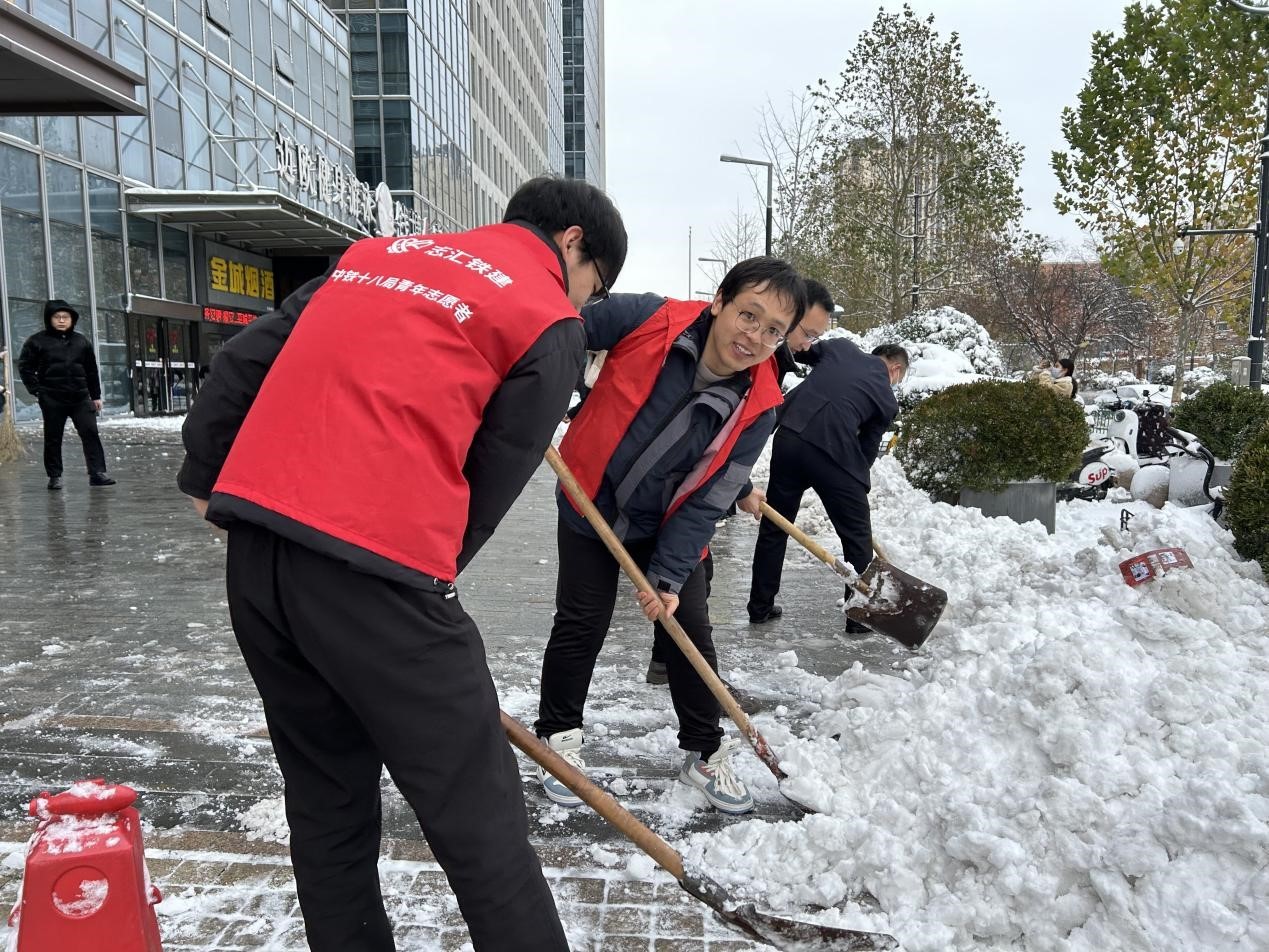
(685, 80)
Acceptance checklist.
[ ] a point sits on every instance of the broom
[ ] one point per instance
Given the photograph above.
(11, 447)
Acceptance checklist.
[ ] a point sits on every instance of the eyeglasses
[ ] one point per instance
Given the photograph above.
(602, 293)
(808, 335)
(771, 336)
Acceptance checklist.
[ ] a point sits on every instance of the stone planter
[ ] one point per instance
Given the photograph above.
(1021, 502)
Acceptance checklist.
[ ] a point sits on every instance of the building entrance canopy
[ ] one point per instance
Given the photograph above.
(43, 72)
(262, 220)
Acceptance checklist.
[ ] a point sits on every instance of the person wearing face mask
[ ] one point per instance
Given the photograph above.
(828, 438)
(361, 444)
(1059, 378)
(59, 368)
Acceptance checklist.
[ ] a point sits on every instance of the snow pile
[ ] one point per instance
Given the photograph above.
(266, 820)
(1069, 764)
(946, 347)
(948, 329)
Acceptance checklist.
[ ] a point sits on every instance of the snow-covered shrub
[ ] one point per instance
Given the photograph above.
(948, 328)
(1223, 417)
(1247, 501)
(1096, 379)
(1200, 378)
(982, 435)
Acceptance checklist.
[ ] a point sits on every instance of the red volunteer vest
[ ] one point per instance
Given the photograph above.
(624, 385)
(363, 423)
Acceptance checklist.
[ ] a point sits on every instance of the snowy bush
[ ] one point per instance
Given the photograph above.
(985, 434)
(948, 328)
(1192, 381)
(1247, 502)
(1223, 417)
(1200, 378)
(1101, 380)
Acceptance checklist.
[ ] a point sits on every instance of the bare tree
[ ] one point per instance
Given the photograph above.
(790, 140)
(739, 237)
(1057, 307)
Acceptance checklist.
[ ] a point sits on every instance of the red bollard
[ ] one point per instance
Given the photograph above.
(85, 887)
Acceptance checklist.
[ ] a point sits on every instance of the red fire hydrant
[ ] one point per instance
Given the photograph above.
(85, 887)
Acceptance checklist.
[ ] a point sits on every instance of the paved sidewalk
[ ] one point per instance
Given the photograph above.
(117, 660)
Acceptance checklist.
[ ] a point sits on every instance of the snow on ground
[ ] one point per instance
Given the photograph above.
(1068, 764)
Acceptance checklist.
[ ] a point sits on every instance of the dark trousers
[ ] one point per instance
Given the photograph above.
(84, 417)
(585, 596)
(797, 466)
(357, 673)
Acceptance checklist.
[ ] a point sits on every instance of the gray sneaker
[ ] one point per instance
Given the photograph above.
(657, 673)
(715, 778)
(568, 744)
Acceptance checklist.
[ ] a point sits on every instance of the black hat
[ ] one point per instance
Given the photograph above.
(55, 305)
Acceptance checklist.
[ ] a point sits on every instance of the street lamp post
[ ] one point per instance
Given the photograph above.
(1260, 281)
(770, 174)
(716, 261)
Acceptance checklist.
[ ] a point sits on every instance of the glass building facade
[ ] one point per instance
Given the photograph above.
(223, 79)
(275, 133)
(411, 103)
(583, 59)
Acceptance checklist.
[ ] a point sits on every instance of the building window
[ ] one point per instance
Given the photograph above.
(366, 142)
(143, 256)
(363, 48)
(218, 13)
(396, 54)
(176, 272)
(68, 238)
(283, 64)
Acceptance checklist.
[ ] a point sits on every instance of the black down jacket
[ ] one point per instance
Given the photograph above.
(60, 366)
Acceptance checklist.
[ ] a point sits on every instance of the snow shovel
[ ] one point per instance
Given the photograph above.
(896, 604)
(744, 917)
(671, 624)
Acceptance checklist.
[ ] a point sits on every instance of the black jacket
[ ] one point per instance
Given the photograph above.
(59, 366)
(665, 440)
(506, 450)
(844, 407)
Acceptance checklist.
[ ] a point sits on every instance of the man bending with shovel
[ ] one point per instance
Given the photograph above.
(409, 397)
(830, 432)
(663, 445)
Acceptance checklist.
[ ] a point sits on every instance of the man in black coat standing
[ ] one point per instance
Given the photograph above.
(59, 368)
(828, 437)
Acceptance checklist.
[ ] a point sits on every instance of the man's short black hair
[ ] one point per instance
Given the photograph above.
(816, 293)
(554, 204)
(774, 275)
(893, 353)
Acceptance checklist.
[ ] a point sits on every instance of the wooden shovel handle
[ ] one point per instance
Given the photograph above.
(598, 800)
(817, 550)
(671, 625)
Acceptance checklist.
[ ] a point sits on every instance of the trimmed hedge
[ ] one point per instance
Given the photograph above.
(1223, 417)
(1247, 500)
(985, 434)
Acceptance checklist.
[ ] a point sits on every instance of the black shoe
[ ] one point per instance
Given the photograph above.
(100, 479)
(857, 628)
(55, 482)
(771, 614)
(657, 673)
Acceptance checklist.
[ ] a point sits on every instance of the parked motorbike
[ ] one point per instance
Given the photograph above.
(1139, 436)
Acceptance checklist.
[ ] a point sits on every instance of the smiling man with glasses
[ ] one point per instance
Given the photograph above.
(813, 326)
(663, 445)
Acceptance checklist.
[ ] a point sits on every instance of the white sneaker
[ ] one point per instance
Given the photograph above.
(716, 779)
(568, 744)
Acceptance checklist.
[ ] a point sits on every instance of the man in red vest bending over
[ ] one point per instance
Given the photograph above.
(409, 396)
(663, 445)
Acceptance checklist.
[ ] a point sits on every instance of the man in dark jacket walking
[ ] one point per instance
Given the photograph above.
(59, 368)
(663, 445)
(432, 371)
(828, 438)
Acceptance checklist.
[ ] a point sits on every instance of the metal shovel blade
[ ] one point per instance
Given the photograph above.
(897, 604)
(786, 934)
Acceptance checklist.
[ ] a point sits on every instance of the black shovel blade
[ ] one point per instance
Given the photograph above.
(786, 934)
(896, 604)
